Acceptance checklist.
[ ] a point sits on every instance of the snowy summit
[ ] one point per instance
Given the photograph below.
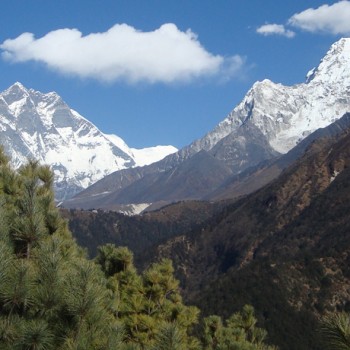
(287, 114)
(43, 127)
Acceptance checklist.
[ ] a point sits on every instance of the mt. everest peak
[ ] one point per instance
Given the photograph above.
(44, 127)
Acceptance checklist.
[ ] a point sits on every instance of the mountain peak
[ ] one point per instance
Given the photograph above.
(42, 126)
(17, 87)
(287, 114)
(15, 93)
(334, 66)
(340, 46)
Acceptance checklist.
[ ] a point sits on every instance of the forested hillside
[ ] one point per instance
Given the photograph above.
(284, 249)
(139, 233)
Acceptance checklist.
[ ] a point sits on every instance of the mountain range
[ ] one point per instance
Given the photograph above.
(274, 229)
(270, 120)
(43, 127)
(97, 170)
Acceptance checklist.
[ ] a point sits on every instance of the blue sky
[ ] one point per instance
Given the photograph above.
(162, 72)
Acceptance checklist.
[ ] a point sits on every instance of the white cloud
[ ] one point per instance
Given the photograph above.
(122, 53)
(334, 19)
(275, 29)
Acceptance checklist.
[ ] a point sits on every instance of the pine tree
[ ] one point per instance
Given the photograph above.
(335, 330)
(51, 296)
(239, 333)
(170, 337)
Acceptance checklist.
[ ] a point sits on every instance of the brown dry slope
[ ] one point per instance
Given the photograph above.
(285, 249)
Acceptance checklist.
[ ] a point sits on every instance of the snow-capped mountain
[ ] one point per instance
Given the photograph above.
(43, 127)
(283, 114)
(287, 114)
(270, 120)
(143, 156)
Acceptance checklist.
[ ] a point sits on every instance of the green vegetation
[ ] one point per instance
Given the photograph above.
(53, 297)
(336, 331)
(240, 332)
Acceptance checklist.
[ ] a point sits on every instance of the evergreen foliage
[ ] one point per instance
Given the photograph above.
(336, 331)
(53, 297)
(240, 332)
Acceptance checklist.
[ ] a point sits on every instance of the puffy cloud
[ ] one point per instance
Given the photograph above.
(275, 29)
(123, 53)
(334, 19)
